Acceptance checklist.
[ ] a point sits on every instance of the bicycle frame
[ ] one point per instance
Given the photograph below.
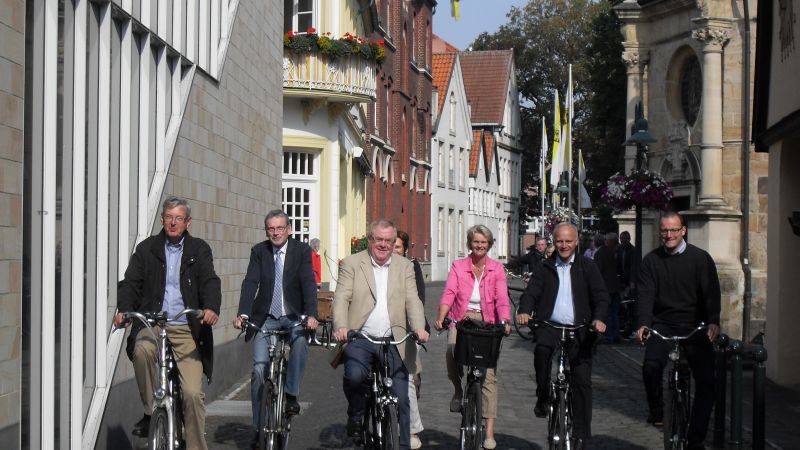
(380, 392)
(168, 393)
(679, 383)
(560, 387)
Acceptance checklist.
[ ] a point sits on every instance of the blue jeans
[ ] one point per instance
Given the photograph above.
(296, 364)
(359, 357)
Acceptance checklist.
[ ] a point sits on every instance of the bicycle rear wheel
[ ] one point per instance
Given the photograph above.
(472, 421)
(369, 426)
(676, 420)
(390, 428)
(158, 435)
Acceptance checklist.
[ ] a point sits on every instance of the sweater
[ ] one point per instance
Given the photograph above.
(680, 289)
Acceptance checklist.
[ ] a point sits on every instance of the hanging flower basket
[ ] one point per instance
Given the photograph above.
(327, 44)
(556, 216)
(640, 188)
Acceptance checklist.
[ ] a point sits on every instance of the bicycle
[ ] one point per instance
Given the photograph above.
(559, 411)
(273, 423)
(380, 426)
(627, 309)
(166, 421)
(477, 356)
(520, 329)
(676, 423)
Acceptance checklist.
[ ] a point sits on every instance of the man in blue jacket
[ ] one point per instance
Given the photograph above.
(278, 288)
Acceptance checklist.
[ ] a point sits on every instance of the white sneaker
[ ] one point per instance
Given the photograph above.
(415, 442)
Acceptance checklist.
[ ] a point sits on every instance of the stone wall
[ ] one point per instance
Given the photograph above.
(227, 162)
(12, 96)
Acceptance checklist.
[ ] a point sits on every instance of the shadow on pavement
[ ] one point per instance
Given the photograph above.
(234, 434)
(610, 442)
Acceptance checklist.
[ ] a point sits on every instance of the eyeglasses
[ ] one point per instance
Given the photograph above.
(276, 229)
(178, 219)
(382, 241)
(668, 231)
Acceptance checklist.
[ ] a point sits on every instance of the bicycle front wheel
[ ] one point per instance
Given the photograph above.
(676, 421)
(472, 422)
(266, 420)
(522, 330)
(559, 423)
(390, 428)
(158, 437)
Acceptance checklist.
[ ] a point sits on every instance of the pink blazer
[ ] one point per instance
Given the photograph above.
(493, 289)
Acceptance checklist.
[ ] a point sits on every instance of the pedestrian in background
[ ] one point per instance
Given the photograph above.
(606, 261)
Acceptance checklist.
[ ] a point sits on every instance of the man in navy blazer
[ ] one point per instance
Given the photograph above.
(278, 288)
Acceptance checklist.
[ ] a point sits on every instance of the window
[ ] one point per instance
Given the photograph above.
(460, 231)
(441, 232)
(440, 163)
(451, 168)
(462, 168)
(298, 15)
(452, 113)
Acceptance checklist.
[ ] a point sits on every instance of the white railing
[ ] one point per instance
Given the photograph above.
(350, 78)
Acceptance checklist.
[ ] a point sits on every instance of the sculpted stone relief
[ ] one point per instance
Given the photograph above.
(715, 38)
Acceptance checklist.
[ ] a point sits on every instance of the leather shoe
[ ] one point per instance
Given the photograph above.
(142, 427)
(540, 410)
(292, 406)
(354, 427)
(455, 402)
(656, 417)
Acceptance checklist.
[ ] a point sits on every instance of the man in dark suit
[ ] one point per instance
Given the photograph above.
(278, 288)
(605, 260)
(566, 288)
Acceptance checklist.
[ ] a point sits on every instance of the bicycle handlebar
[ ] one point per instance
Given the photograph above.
(560, 326)
(676, 338)
(281, 332)
(353, 334)
(150, 319)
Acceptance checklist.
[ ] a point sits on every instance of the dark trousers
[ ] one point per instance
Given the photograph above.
(700, 354)
(580, 360)
(612, 323)
(359, 356)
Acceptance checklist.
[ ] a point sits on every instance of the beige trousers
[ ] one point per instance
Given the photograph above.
(455, 372)
(190, 366)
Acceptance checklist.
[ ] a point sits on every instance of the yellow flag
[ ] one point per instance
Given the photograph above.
(454, 9)
(556, 166)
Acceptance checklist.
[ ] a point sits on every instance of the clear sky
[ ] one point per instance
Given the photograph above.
(476, 17)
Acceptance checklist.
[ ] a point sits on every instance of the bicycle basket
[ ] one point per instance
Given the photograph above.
(478, 343)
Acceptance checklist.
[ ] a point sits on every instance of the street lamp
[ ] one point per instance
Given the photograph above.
(641, 138)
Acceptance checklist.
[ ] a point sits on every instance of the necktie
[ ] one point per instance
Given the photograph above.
(277, 293)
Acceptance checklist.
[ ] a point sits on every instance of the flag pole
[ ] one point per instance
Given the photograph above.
(542, 157)
(570, 95)
(580, 197)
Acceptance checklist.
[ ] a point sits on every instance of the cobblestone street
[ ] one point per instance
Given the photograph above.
(618, 416)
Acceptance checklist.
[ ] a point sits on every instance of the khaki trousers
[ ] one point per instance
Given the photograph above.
(190, 366)
(455, 372)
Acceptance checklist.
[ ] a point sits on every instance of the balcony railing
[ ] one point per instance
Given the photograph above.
(346, 79)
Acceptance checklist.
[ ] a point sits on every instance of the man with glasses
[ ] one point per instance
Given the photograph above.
(377, 294)
(278, 288)
(678, 289)
(170, 272)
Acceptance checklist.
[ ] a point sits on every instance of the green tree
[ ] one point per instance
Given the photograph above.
(547, 36)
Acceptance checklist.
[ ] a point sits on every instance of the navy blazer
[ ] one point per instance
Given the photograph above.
(299, 285)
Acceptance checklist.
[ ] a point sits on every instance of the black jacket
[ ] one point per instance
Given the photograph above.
(142, 289)
(607, 264)
(526, 262)
(299, 285)
(589, 294)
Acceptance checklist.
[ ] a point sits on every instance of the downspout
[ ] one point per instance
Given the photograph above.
(748, 276)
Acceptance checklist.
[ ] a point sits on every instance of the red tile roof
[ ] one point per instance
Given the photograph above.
(439, 45)
(475, 152)
(486, 75)
(442, 72)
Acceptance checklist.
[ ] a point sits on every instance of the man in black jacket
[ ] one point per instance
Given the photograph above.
(605, 261)
(528, 261)
(679, 289)
(568, 289)
(169, 272)
(278, 288)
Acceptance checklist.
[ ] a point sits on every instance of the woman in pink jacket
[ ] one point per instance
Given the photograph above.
(476, 289)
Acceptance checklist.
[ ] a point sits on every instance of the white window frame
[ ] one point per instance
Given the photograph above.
(295, 13)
